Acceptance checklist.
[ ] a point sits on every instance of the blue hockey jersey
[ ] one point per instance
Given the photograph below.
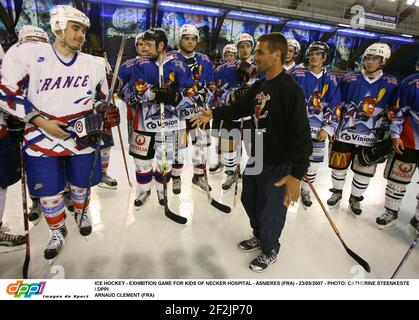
(322, 99)
(228, 79)
(365, 103)
(405, 118)
(203, 75)
(146, 75)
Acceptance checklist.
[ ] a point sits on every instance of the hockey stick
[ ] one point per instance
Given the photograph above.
(119, 134)
(25, 215)
(238, 164)
(213, 202)
(406, 256)
(169, 214)
(357, 258)
(97, 150)
(123, 150)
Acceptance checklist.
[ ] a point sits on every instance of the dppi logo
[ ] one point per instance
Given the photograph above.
(27, 290)
(140, 140)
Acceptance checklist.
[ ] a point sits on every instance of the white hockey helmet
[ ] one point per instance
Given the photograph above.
(231, 48)
(29, 31)
(295, 44)
(188, 29)
(139, 37)
(242, 37)
(61, 14)
(378, 49)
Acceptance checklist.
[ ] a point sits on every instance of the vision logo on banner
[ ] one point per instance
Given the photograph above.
(20, 289)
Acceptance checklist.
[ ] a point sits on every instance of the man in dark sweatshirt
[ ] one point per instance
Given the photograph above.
(277, 105)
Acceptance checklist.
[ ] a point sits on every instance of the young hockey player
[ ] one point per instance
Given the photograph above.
(294, 48)
(107, 181)
(9, 174)
(202, 73)
(402, 163)
(125, 71)
(366, 97)
(146, 141)
(229, 56)
(322, 97)
(236, 78)
(32, 33)
(65, 111)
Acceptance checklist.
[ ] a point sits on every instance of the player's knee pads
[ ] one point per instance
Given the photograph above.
(53, 209)
(399, 171)
(358, 168)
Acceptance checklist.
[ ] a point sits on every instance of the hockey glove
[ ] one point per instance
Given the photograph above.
(246, 68)
(89, 125)
(167, 95)
(238, 94)
(110, 113)
(375, 154)
(16, 129)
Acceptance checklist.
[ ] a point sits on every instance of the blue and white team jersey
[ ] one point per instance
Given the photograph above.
(35, 79)
(289, 69)
(202, 72)
(365, 103)
(147, 113)
(322, 95)
(125, 74)
(405, 119)
(228, 79)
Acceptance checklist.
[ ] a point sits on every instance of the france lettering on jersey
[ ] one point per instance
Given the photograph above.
(405, 124)
(365, 103)
(202, 72)
(322, 96)
(147, 114)
(56, 89)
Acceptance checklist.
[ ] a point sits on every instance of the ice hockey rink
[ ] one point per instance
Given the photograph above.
(144, 244)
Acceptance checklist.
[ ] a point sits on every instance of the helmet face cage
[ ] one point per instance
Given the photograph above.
(60, 15)
(32, 32)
